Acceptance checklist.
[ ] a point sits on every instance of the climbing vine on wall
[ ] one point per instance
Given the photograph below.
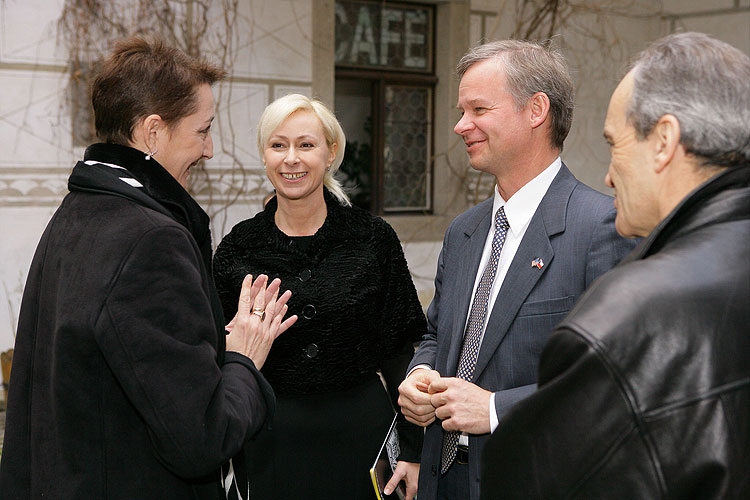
(200, 28)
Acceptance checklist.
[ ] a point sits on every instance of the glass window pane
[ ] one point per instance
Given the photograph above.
(406, 154)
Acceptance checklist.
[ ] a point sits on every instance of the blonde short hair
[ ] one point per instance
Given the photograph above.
(282, 108)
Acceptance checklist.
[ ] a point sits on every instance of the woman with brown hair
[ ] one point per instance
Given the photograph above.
(124, 384)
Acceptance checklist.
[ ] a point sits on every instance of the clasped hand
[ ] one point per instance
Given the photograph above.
(461, 405)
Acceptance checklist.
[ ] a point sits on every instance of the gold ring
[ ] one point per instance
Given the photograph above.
(259, 312)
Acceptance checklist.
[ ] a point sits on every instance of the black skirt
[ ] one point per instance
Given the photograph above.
(321, 446)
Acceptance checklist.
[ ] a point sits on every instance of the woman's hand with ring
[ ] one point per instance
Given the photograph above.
(255, 288)
(259, 319)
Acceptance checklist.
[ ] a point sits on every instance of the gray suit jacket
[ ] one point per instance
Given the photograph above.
(573, 233)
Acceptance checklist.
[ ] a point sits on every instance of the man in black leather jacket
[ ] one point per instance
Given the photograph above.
(644, 389)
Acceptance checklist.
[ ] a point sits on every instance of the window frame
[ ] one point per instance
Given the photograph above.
(380, 79)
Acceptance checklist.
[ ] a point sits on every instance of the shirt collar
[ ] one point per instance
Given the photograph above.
(520, 208)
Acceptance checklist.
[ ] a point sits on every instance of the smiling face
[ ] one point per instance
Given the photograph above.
(631, 169)
(186, 142)
(495, 131)
(296, 156)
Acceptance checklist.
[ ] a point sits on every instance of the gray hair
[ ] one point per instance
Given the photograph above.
(705, 84)
(282, 108)
(531, 67)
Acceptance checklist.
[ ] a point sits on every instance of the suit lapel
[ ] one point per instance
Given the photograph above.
(548, 220)
(475, 233)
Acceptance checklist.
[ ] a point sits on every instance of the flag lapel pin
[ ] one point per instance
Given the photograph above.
(538, 263)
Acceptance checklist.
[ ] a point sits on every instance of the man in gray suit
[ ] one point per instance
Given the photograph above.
(510, 268)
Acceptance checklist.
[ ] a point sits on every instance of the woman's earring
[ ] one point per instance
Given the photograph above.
(149, 154)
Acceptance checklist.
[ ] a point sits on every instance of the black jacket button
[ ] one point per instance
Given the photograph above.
(304, 275)
(308, 312)
(311, 351)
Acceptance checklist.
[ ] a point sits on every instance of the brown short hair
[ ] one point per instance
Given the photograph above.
(143, 76)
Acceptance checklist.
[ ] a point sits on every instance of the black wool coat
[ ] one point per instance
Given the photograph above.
(121, 387)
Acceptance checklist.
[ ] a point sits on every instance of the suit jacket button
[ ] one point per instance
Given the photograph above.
(308, 312)
(311, 351)
(304, 275)
(434, 470)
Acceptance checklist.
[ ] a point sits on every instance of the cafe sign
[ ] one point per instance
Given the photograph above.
(384, 36)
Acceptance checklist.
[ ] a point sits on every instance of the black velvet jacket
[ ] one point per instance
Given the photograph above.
(121, 388)
(357, 306)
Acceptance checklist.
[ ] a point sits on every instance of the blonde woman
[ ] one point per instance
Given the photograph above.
(357, 307)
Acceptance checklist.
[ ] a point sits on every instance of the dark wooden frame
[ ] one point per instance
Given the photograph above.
(379, 79)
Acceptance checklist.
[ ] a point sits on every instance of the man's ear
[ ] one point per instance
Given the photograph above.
(666, 141)
(539, 108)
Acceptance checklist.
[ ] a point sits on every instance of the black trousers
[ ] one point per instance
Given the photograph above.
(454, 485)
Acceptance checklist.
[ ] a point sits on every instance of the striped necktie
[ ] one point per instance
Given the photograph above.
(473, 336)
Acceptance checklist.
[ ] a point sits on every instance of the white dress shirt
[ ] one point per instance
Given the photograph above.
(519, 210)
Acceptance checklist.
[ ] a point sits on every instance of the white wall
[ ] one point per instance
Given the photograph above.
(33, 140)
